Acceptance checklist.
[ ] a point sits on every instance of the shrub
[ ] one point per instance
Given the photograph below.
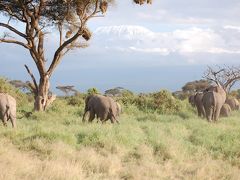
(162, 102)
(20, 97)
(92, 91)
(76, 100)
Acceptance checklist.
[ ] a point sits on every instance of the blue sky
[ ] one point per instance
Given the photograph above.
(143, 48)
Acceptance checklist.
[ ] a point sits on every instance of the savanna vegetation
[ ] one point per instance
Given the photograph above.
(159, 137)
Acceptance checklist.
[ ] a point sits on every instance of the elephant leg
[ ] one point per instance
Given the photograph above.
(84, 116)
(104, 121)
(117, 121)
(103, 117)
(112, 120)
(199, 111)
(209, 113)
(203, 114)
(92, 116)
(5, 121)
(216, 114)
(13, 121)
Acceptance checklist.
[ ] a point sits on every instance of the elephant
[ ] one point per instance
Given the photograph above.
(7, 109)
(213, 100)
(191, 100)
(101, 106)
(237, 104)
(119, 109)
(199, 104)
(225, 110)
(233, 103)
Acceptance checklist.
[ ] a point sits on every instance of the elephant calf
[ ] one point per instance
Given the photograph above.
(119, 109)
(233, 103)
(199, 104)
(101, 106)
(7, 109)
(191, 100)
(225, 110)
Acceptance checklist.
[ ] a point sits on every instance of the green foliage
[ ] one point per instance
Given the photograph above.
(92, 91)
(181, 95)
(165, 103)
(119, 91)
(196, 86)
(161, 102)
(20, 97)
(76, 100)
(235, 93)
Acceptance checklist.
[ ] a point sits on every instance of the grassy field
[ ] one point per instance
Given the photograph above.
(57, 145)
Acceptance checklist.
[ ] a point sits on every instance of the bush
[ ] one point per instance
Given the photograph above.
(20, 97)
(76, 100)
(165, 103)
(162, 102)
(92, 91)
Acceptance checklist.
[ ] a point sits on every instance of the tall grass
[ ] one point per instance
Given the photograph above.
(145, 145)
(158, 137)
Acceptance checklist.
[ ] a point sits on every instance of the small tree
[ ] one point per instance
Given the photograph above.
(20, 85)
(92, 91)
(225, 76)
(67, 89)
(193, 86)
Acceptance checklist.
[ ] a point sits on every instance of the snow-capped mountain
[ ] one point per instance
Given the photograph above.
(190, 40)
(127, 32)
(129, 38)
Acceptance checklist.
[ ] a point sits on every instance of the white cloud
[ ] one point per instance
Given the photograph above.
(232, 27)
(184, 41)
(161, 51)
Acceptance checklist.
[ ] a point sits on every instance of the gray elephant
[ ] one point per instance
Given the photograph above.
(213, 100)
(7, 109)
(225, 110)
(233, 103)
(191, 100)
(199, 104)
(102, 107)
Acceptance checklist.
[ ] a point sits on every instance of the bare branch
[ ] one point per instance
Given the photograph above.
(14, 42)
(226, 76)
(13, 30)
(83, 19)
(33, 78)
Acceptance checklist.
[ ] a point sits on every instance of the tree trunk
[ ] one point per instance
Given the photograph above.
(42, 97)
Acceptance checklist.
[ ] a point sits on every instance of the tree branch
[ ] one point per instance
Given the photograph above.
(33, 78)
(13, 30)
(14, 42)
(58, 54)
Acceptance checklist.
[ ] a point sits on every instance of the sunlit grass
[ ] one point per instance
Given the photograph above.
(57, 145)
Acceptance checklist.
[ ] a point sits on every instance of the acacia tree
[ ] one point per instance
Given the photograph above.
(67, 89)
(70, 18)
(198, 85)
(226, 76)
